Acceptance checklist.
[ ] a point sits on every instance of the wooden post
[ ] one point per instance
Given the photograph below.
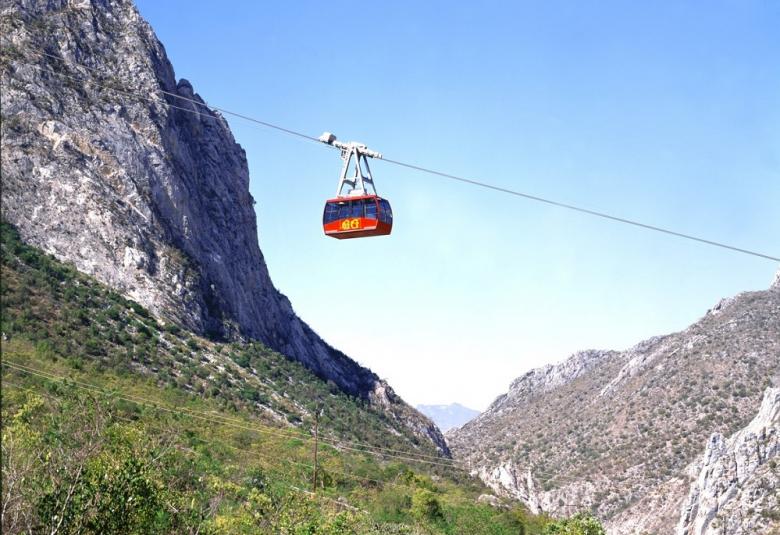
(316, 425)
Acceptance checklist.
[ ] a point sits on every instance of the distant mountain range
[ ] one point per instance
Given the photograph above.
(622, 432)
(447, 417)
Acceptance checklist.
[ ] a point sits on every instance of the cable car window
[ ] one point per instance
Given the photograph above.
(388, 210)
(331, 212)
(357, 209)
(343, 210)
(371, 209)
(385, 213)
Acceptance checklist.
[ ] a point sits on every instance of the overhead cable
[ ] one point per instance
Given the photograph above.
(434, 172)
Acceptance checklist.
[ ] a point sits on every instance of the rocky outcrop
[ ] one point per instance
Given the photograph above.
(112, 164)
(736, 486)
(551, 376)
(615, 431)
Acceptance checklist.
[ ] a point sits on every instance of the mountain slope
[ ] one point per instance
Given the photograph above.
(111, 164)
(63, 313)
(448, 416)
(153, 429)
(615, 430)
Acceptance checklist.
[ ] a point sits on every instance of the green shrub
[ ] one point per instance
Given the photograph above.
(172, 328)
(242, 359)
(579, 524)
(425, 506)
(140, 310)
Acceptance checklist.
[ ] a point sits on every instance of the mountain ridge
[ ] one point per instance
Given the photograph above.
(615, 430)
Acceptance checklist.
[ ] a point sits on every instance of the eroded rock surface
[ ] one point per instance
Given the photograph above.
(736, 486)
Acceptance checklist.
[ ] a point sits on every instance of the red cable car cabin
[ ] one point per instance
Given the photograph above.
(357, 217)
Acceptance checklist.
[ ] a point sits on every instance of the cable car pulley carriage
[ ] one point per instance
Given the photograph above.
(356, 211)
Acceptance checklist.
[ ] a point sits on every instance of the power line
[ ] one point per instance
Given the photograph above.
(212, 443)
(202, 440)
(354, 446)
(256, 427)
(440, 174)
(250, 452)
(262, 455)
(214, 421)
(260, 428)
(225, 421)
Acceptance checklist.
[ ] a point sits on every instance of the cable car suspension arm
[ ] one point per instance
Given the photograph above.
(359, 182)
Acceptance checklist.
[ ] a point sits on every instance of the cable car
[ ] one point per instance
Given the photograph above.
(356, 211)
(357, 217)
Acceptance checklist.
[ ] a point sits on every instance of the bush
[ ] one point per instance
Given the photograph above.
(425, 506)
(44, 350)
(250, 394)
(138, 309)
(579, 524)
(172, 328)
(242, 359)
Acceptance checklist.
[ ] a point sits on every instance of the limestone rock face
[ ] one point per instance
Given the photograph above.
(112, 164)
(736, 489)
(616, 431)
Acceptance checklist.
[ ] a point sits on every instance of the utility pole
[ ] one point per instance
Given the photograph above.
(316, 441)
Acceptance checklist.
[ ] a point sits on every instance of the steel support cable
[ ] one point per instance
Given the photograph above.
(198, 103)
(581, 210)
(472, 182)
(420, 169)
(409, 166)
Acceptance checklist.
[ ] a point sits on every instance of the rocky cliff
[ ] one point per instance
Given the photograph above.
(736, 483)
(615, 431)
(111, 163)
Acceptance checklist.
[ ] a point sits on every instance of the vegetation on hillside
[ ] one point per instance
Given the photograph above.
(113, 422)
(65, 312)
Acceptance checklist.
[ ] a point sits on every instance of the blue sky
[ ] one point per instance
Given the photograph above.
(665, 112)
